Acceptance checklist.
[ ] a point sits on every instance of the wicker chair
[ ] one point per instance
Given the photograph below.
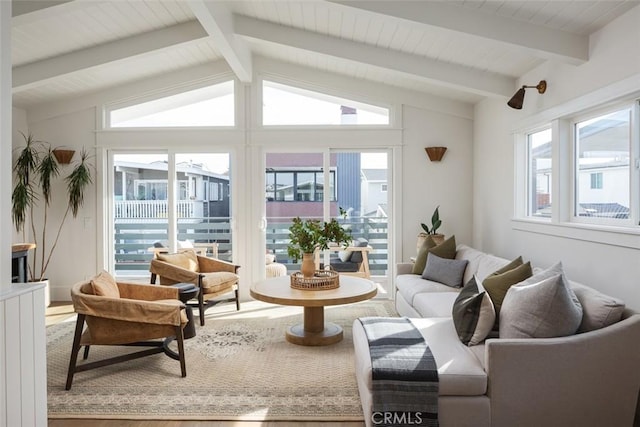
(118, 313)
(212, 276)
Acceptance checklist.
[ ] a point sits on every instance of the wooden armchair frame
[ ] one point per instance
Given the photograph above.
(142, 315)
(171, 274)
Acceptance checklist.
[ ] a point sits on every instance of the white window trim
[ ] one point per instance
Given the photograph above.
(563, 222)
(527, 172)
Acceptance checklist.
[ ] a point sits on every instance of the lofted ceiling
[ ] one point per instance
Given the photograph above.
(464, 50)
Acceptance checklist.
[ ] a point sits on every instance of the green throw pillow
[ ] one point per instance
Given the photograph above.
(446, 249)
(513, 264)
(497, 285)
(421, 257)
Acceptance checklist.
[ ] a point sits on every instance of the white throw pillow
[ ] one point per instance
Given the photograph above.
(185, 244)
(344, 256)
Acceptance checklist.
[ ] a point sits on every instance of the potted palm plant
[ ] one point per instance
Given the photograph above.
(35, 171)
(307, 236)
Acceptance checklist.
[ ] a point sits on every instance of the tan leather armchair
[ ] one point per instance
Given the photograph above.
(212, 276)
(118, 313)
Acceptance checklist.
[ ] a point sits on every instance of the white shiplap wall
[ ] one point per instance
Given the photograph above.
(23, 356)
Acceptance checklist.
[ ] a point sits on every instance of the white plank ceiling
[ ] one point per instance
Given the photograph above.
(463, 50)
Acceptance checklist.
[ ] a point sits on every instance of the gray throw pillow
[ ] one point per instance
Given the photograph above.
(598, 310)
(545, 308)
(446, 271)
(356, 256)
(473, 313)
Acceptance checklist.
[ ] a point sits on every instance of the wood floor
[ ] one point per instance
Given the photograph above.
(126, 423)
(61, 311)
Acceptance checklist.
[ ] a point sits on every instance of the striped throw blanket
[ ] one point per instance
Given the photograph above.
(405, 375)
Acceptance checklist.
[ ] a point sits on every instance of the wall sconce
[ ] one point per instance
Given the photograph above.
(517, 99)
(63, 156)
(435, 153)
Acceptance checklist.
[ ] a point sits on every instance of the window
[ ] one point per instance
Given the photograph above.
(298, 186)
(288, 105)
(208, 106)
(596, 181)
(593, 180)
(142, 206)
(539, 173)
(602, 153)
(383, 188)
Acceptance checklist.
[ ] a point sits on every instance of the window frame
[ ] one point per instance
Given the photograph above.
(634, 152)
(333, 93)
(108, 108)
(563, 221)
(318, 196)
(528, 208)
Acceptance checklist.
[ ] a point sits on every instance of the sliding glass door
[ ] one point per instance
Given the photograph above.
(294, 187)
(172, 201)
(320, 185)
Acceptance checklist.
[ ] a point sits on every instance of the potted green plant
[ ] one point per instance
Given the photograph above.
(35, 170)
(433, 230)
(307, 236)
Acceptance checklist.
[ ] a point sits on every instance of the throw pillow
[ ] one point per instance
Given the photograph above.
(421, 257)
(543, 309)
(598, 310)
(105, 285)
(446, 271)
(344, 255)
(473, 313)
(446, 249)
(187, 260)
(513, 264)
(356, 256)
(186, 244)
(497, 285)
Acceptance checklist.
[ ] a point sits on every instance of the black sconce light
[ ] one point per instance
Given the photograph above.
(517, 99)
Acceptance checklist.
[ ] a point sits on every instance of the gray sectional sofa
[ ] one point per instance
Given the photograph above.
(591, 378)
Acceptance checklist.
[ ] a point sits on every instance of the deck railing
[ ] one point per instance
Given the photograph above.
(142, 209)
(133, 237)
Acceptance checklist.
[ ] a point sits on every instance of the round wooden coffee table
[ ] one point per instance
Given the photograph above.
(314, 330)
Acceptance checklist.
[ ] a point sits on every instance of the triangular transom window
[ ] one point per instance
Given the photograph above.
(207, 106)
(288, 105)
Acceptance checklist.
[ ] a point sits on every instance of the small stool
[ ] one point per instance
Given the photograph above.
(276, 269)
(187, 291)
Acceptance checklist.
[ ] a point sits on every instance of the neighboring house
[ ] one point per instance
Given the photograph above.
(603, 170)
(290, 178)
(374, 190)
(201, 193)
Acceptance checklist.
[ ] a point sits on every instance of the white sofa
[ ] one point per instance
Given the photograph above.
(588, 379)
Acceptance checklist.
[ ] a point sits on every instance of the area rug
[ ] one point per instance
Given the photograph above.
(239, 367)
